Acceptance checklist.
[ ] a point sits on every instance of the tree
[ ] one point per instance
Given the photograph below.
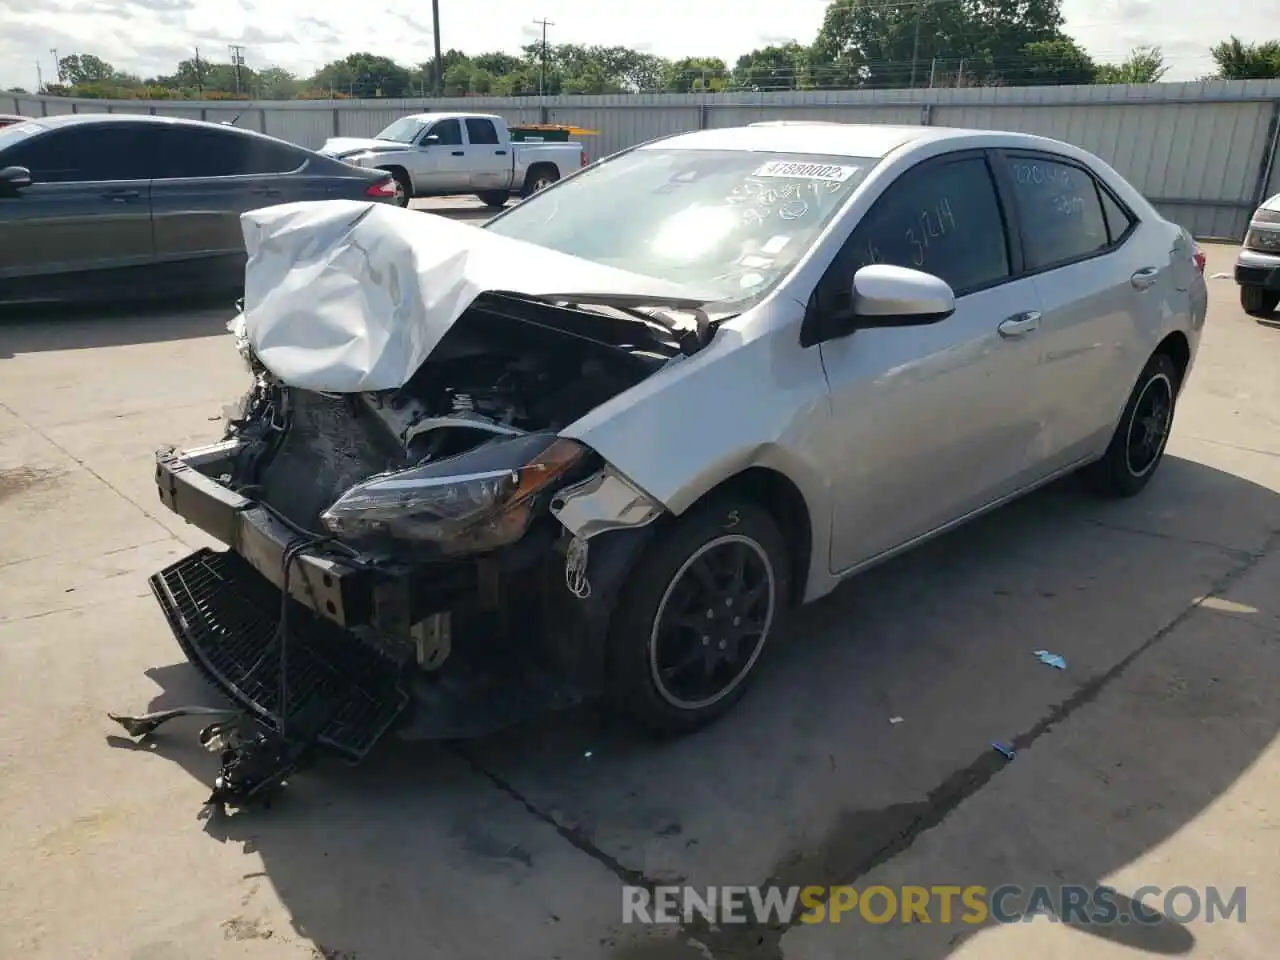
(365, 75)
(81, 68)
(1247, 61)
(887, 43)
(695, 74)
(1055, 61)
(784, 67)
(497, 64)
(276, 83)
(1144, 65)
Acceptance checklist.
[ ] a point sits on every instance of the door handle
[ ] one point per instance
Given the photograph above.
(1020, 324)
(501, 153)
(459, 153)
(121, 196)
(1144, 278)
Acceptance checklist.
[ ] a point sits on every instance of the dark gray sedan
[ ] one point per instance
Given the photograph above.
(118, 205)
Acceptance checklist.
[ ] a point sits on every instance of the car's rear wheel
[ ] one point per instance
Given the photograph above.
(695, 616)
(494, 198)
(1257, 301)
(539, 177)
(1137, 446)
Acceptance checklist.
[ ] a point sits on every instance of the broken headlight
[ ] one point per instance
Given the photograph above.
(476, 501)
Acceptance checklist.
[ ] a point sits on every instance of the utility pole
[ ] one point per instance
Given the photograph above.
(199, 74)
(542, 70)
(237, 61)
(933, 71)
(39, 78)
(915, 47)
(57, 64)
(435, 30)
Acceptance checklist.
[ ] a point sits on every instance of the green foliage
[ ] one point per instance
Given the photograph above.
(861, 44)
(1144, 65)
(1237, 60)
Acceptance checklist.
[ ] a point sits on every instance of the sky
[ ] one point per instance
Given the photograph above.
(149, 36)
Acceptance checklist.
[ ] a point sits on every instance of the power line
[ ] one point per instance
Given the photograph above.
(542, 70)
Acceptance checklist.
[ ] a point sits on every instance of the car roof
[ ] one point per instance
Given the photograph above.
(448, 115)
(84, 119)
(867, 140)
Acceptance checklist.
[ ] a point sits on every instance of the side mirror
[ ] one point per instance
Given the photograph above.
(888, 296)
(431, 140)
(15, 178)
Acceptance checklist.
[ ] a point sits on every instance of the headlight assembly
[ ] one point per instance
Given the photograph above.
(476, 501)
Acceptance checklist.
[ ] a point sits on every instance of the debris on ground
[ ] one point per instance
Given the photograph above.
(1005, 750)
(1051, 659)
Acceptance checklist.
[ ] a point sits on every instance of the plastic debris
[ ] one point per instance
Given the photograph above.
(895, 720)
(587, 754)
(1004, 749)
(1051, 660)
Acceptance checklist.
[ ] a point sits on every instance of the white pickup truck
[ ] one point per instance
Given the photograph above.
(445, 154)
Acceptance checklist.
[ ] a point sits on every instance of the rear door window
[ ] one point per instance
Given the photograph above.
(481, 131)
(1060, 212)
(941, 218)
(195, 152)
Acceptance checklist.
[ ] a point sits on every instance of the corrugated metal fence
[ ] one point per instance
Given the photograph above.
(1204, 153)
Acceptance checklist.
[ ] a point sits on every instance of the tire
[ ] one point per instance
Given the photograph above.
(539, 177)
(647, 639)
(404, 189)
(494, 198)
(1259, 302)
(1137, 447)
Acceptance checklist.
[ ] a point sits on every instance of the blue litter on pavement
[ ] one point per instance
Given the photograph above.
(1051, 659)
(1003, 749)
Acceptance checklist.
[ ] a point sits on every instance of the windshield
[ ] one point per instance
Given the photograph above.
(727, 224)
(402, 131)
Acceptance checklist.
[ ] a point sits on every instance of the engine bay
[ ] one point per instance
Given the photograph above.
(494, 374)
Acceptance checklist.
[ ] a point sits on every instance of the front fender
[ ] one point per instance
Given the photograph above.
(744, 401)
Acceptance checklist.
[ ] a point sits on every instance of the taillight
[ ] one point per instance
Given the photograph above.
(584, 158)
(382, 190)
(1198, 257)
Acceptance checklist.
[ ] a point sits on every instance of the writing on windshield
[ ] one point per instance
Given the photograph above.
(727, 224)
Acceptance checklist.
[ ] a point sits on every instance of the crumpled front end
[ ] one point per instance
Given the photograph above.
(423, 547)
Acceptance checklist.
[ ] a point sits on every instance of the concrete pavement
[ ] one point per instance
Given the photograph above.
(1151, 760)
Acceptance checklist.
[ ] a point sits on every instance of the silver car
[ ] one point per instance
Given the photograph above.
(600, 446)
(1258, 265)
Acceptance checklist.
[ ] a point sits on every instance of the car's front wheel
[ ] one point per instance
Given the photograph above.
(695, 616)
(1137, 446)
(1258, 302)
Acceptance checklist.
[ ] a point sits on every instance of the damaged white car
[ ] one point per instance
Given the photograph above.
(599, 446)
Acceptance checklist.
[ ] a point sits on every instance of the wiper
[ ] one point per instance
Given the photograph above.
(690, 341)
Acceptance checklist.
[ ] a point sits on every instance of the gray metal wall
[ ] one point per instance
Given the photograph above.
(1204, 152)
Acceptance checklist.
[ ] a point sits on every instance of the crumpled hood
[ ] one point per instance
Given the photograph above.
(337, 146)
(347, 296)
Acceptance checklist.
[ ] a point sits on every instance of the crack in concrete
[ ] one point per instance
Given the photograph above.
(865, 839)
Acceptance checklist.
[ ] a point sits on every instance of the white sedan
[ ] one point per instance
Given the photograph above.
(643, 413)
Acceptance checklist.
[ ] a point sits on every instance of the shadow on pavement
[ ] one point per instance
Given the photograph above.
(808, 782)
(34, 329)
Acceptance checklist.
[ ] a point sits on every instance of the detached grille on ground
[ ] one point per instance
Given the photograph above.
(225, 616)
